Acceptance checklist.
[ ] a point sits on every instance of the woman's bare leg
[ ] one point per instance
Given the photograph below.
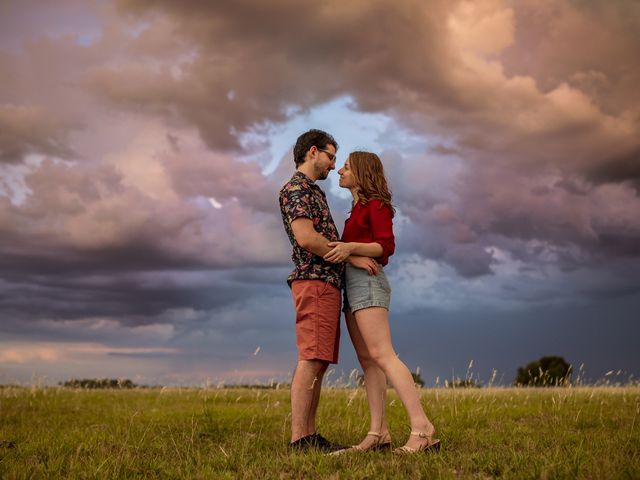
(373, 325)
(375, 385)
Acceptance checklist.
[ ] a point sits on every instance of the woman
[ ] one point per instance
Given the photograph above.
(368, 232)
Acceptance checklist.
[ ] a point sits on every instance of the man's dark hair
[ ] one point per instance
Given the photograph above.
(312, 138)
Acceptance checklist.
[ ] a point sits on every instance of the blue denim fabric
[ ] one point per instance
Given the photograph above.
(364, 291)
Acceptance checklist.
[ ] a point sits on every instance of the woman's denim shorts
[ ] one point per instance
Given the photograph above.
(363, 290)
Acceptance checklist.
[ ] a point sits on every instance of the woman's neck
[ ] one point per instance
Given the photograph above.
(354, 194)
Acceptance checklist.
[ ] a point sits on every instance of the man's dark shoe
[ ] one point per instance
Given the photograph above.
(303, 443)
(325, 445)
(314, 441)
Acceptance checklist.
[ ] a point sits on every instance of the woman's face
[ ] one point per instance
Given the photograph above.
(347, 180)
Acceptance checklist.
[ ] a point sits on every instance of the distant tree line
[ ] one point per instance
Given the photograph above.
(91, 383)
(463, 383)
(550, 371)
(258, 386)
(117, 383)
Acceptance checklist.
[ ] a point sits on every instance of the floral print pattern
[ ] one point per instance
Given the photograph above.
(302, 198)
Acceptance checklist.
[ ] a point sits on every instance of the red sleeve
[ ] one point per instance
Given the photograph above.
(382, 228)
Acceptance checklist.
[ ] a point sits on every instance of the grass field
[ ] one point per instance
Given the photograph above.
(583, 432)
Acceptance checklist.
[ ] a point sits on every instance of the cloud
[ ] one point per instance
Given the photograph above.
(549, 47)
(510, 147)
(491, 108)
(25, 130)
(278, 61)
(59, 352)
(468, 88)
(621, 169)
(113, 213)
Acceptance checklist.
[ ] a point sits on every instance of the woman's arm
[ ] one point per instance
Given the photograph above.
(382, 229)
(365, 263)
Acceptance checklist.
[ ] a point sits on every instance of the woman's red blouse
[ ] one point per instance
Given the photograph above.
(371, 223)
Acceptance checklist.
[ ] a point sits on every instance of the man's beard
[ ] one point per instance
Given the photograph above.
(322, 174)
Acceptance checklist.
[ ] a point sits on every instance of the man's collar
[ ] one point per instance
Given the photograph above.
(303, 176)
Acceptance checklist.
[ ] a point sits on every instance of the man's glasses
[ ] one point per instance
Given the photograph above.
(332, 156)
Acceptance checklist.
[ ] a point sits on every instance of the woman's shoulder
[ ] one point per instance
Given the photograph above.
(377, 204)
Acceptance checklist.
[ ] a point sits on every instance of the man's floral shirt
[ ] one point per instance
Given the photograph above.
(302, 198)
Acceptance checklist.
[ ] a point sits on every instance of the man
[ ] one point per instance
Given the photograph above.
(315, 283)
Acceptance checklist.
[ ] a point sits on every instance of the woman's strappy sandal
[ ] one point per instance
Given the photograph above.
(374, 447)
(432, 446)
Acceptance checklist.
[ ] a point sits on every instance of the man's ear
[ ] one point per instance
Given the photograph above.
(312, 152)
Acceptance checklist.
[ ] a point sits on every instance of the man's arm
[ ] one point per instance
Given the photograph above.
(307, 237)
(373, 249)
(341, 251)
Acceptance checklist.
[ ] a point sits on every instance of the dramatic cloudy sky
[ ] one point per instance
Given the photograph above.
(143, 143)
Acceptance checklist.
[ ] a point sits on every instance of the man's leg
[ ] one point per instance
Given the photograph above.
(303, 387)
(317, 335)
(317, 387)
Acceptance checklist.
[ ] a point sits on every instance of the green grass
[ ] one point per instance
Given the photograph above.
(584, 432)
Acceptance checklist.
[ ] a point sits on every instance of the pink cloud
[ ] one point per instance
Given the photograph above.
(63, 352)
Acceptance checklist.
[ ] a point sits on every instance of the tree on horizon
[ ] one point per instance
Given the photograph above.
(549, 371)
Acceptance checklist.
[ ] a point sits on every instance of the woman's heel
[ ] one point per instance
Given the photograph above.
(433, 445)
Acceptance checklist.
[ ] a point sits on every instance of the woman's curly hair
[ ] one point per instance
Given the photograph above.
(368, 172)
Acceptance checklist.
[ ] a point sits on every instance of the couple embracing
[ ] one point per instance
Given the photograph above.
(326, 265)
